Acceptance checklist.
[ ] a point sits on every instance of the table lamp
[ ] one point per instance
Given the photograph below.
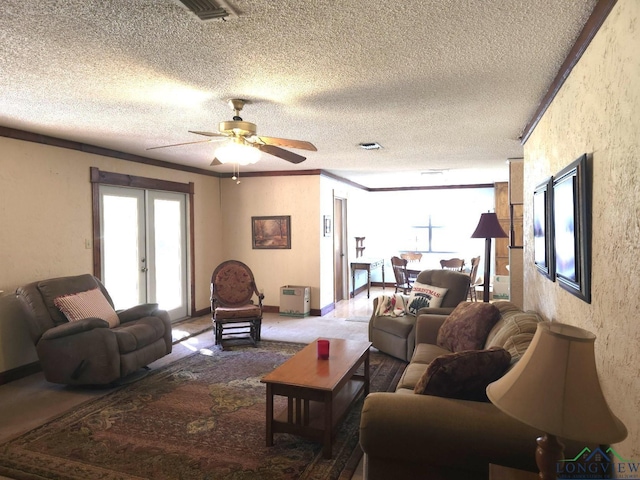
(488, 228)
(554, 387)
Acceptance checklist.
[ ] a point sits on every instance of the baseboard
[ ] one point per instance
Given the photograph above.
(19, 372)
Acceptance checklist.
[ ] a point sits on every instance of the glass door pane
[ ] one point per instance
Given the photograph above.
(167, 248)
(123, 245)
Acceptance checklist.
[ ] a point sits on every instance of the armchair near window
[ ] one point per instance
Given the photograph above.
(97, 348)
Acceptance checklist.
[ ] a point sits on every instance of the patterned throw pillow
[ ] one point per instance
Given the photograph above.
(423, 295)
(467, 327)
(464, 375)
(91, 303)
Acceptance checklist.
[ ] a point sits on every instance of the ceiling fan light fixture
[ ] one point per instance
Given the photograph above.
(238, 154)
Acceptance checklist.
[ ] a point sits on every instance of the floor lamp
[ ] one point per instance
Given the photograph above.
(488, 228)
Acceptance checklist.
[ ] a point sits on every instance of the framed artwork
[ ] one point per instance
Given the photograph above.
(572, 230)
(271, 232)
(326, 222)
(543, 245)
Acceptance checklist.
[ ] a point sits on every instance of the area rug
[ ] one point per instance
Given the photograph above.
(199, 418)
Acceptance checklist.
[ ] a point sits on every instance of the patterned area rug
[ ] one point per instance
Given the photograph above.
(202, 417)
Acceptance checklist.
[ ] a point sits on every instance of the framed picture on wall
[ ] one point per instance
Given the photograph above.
(543, 245)
(271, 232)
(572, 230)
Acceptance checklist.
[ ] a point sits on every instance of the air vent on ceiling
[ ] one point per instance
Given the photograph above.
(209, 10)
(370, 146)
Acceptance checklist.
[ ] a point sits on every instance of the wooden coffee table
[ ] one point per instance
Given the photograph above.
(319, 392)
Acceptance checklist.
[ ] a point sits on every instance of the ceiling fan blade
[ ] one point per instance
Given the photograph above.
(281, 153)
(210, 134)
(179, 144)
(216, 162)
(284, 142)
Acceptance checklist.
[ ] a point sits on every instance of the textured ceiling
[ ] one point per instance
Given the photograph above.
(439, 84)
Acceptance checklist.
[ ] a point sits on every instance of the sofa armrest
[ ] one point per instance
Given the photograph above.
(427, 327)
(139, 311)
(426, 430)
(73, 328)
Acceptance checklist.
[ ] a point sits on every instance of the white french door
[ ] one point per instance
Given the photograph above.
(144, 248)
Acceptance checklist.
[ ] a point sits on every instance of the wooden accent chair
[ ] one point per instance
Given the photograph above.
(402, 277)
(232, 309)
(455, 264)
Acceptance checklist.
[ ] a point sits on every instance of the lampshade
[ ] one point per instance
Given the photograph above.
(489, 227)
(234, 152)
(554, 387)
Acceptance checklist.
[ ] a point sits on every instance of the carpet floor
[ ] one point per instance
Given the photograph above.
(199, 418)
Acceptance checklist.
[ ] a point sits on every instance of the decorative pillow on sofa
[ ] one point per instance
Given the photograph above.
(91, 303)
(467, 327)
(423, 295)
(464, 375)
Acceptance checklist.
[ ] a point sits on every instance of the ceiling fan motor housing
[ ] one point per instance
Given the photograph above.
(237, 128)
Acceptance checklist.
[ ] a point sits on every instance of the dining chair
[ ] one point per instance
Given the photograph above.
(400, 272)
(476, 281)
(455, 264)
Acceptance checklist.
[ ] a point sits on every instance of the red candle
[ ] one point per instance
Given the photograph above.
(323, 349)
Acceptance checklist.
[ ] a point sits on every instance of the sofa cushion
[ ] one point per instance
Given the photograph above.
(89, 304)
(423, 295)
(464, 375)
(466, 328)
(425, 353)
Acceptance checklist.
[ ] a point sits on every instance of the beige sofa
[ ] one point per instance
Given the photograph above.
(409, 435)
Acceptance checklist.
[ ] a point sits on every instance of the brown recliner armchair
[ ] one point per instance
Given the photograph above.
(87, 351)
(396, 335)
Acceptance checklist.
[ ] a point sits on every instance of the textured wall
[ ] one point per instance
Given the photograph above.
(597, 112)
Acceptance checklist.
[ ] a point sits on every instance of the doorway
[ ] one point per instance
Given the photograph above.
(143, 245)
(340, 275)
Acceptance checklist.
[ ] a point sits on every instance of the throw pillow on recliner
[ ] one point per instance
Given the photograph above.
(464, 375)
(91, 303)
(467, 327)
(425, 296)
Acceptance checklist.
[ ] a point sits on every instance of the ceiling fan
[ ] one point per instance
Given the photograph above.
(243, 134)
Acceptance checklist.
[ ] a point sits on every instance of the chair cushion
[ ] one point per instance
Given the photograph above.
(244, 311)
(467, 327)
(137, 334)
(464, 375)
(423, 295)
(91, 303)
(398, 326)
